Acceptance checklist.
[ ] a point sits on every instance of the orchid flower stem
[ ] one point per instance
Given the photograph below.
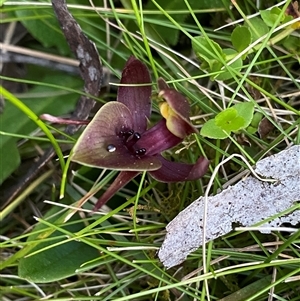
(140, 22)
(136, 203)
(19, 104)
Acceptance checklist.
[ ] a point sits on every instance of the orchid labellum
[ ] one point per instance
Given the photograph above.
(117, 137)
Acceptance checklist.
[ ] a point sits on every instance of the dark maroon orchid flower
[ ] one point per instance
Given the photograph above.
(118, 138)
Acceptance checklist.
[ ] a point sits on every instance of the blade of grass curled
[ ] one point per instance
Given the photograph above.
(18, 103)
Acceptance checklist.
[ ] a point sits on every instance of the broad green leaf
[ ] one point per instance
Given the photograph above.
(59, 261)
(170, 35)
(211, 130)
(43, 26)
(248, 291)
(241, 38)
(258, 28)
(211, 65)
(237, 65)
(10, 158)
(15, 121)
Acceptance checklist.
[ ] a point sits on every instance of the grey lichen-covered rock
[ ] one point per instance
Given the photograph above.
(248, 202)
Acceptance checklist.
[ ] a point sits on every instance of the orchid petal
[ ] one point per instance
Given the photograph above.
(178, 172)
(101, 146)
(121, 180)
(176, 111)
(157, 139)
(136, 98)
(176, 124)
(162, 85)
(175, 99)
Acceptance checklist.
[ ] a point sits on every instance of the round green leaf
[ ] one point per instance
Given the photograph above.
(271, 17)
(252, 130)
(241, 38)
(256, 119)
(211, 130)
(245, 110)
(229, 120)
(258, 28)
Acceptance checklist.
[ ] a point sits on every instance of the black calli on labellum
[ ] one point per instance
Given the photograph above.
(117, 138)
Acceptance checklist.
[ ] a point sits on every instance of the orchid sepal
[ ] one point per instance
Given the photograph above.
(135, 95)
(123, 178)
(180, 172)
(101, 145)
